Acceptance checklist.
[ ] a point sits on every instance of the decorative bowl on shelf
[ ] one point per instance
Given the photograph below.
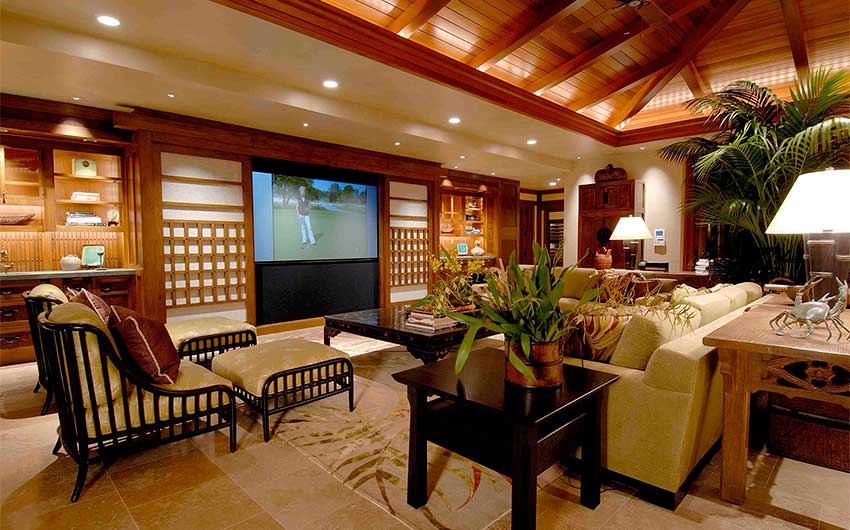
(15, 219)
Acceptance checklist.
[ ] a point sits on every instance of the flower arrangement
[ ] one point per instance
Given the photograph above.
(452, 289)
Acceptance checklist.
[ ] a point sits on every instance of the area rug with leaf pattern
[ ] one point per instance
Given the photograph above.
(367, 450)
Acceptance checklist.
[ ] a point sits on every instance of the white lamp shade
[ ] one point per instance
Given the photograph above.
(818, 202)
(631, 228)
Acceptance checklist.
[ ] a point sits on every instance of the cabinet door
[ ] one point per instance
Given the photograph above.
(615, 196)
(587, 197)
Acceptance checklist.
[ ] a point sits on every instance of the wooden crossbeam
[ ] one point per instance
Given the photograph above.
(599, 50)
(531, 23)
(415, 16)
(622, 82)
(695, 81)
(704, 34)
(796, 36)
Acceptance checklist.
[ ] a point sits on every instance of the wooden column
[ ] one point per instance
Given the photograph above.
(735, 369)
(149, 183)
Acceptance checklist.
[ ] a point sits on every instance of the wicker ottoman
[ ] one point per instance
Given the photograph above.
(201, 339)
(282, 374)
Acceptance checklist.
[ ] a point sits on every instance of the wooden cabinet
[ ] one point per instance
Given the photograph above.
(15, 337)
(600, 207)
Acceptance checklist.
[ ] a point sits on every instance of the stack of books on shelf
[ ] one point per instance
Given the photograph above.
(83, 219)
(428, 321)
(703, 266)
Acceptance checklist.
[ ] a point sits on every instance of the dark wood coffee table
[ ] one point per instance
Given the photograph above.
(517, 432)
(387, 324)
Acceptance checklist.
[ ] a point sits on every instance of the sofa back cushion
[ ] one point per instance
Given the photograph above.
(711, 306)
(737, 296)
(649, 329)
(148, 343)
(76, 313)
(753, 290)
(579, 280)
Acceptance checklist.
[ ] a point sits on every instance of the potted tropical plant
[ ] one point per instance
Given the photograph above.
(743, 172)
(524, 307)
(452, 288)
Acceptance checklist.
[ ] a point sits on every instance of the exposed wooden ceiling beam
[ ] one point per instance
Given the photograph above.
(797, 36)
(704, 34)
(415, 16)
(622, 82)
(695, 81)
(598, 51)
(531, 23)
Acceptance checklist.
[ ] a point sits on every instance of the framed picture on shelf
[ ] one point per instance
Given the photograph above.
(462, 249)
(85, 167)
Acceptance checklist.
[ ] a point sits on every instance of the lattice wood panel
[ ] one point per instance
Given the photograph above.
(409, 254)
(205, 262)
(25, 249)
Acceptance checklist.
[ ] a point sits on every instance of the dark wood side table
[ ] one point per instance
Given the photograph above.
(387, 324)
(517, 432)
(753, 358)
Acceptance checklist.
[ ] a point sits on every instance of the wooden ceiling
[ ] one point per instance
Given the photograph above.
(628, 67)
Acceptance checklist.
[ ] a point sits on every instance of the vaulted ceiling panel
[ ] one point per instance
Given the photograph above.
(624, 64)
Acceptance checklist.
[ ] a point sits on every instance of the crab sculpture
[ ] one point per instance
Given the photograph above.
(810, 314)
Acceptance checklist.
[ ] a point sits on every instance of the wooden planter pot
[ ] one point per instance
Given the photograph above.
(545, 362)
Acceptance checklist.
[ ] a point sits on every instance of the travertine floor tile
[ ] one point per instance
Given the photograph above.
(104, 512)
(263, 521)
(358, 515)
(152, 480)
(213, 505)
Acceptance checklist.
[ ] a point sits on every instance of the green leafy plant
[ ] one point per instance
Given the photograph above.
(523, 306)
(744, 172)
(452, 285)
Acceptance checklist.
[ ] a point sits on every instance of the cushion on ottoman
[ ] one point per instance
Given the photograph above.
(249, 368)
(184, 330)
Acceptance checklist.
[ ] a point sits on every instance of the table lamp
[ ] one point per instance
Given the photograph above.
(631, 230)
(818, 206)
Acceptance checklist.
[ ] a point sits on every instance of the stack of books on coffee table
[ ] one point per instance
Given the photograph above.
(428, 321)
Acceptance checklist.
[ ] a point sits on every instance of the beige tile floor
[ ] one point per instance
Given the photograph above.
(198, 484)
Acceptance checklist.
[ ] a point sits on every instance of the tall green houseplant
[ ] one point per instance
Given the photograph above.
(743, 173)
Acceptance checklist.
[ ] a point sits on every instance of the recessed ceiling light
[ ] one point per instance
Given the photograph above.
(170, 95)
(4, 130)
(553, 183)
(642, 148)
(396, 143)
(463, 156)
(578, 158)
(531, 141)
(76, 98)
(559, 180)
(305, 124)
(107, 20)
(627, 33)
(492, 172)
(454, 120)
(90, 140)
(454, 167)
(329, 83)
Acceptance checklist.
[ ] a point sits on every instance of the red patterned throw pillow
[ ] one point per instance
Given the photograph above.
(93, 301)
(148, 342)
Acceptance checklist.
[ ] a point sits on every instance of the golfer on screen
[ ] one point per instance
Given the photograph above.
(303, 209)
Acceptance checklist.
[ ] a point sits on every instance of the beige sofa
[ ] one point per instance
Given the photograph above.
(658, 423)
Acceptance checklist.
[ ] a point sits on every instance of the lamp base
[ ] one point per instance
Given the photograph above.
(631, 252)
(827, 256)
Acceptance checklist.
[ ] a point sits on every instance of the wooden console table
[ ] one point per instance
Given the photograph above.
(753, 358)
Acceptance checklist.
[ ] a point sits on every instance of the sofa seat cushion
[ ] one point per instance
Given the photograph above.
(250, 368)
(711, 306)
(190, 377)
(184, 330)
(650, 328)
(48, 290)
(737, 296)
(76, 313)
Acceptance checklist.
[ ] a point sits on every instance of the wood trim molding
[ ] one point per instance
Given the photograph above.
(325, 22)
(292, 325)
(691, 127)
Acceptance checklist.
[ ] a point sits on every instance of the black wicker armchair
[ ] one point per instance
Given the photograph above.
(35, 305)
(106, 407)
